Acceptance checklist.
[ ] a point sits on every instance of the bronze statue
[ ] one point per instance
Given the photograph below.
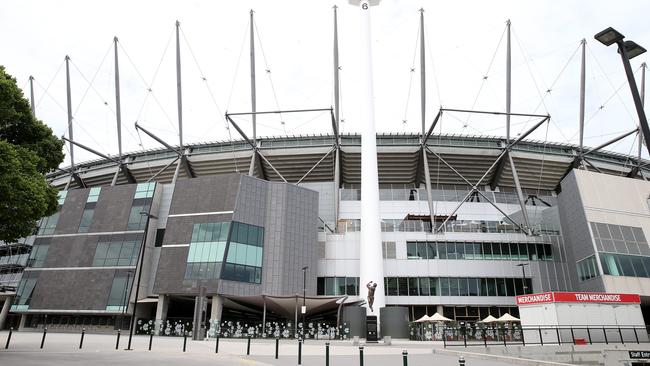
(371, 286)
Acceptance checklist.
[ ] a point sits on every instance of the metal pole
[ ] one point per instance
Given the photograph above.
(405, 358)
(31, 95)
(11, 330)
(304, 298)
(520, 193)
(277, 347)
(337, 114)
(300, 352)
(150, 339)
(643, 67)
(582, 95)
(327, 353)
(43, 339)
(248, 346)
(81, 342)
(117, 343)
(216, 346)
(508, 79)
(179, 94)
(360, 355)
(69, 104)
(184, 340)
(251, 169)
(423, 93)
(643, 121)
(118, 106)
(137, 288)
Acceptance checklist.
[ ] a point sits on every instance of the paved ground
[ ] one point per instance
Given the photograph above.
(63, 349)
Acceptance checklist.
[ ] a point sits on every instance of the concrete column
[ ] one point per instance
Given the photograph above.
(161, 312)
(5, 311)
(439, 310)
(215, 314)
(23, 321)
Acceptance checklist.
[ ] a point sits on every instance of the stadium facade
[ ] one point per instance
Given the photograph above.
(241, 241)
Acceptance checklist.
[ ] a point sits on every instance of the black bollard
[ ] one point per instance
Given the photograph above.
(405, 358)
(300, 352)
(277, 347)
(327, 353)
(11, 330)
(184, 341)
(248, 346)
(81, 342)
(360, 355)
(461, 361)
(43, 339)
(117, 343)
(216, 346)
(150, 340)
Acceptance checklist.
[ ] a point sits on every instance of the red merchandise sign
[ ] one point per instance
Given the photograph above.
(592, 297)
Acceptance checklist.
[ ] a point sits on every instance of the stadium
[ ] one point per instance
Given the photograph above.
(282, 229)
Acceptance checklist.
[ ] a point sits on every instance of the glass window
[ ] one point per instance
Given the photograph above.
(422, 250)
(48, 224)
(433, 286)
(442, 250)
(496, 251)
(491, 287)
(444, 286)
(501, 287)
(626, 265)
(339, 286)
(478, 251)
(460, 250)
(136, 220)
(37, 256)
(487, 251)
(523, 251)
(352, 286)
(424, 286)
(532, 252)
(483, 289)
(514, 251)
(469, 251)
(412, 250)
(453, 287)
(463, 287)
(320, 286)
(402, 286)
(24, 292)
(615, 230)
(413, 286)
(119, 294)
(451, 251)
(391, 286)
(510, 287)
(505, 251)
(638, 234)
(145, 190)
(62, 196)
(86, 219)
(431, 250)
(540, 252)
(93, 195)
(329, 286)
(548, 252)
(474, 286)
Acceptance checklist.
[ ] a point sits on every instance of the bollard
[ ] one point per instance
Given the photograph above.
(117, 344)
(327, 353)
(216, 346)
(248, 346)
(43, 339)
(150, 340)
(277, 347)
(405, 359)
(461, 361)
(361, 356)
(300, 352)
(184, 341)
(484, 338)
(11, 330)
(465, 337)
(81, 342)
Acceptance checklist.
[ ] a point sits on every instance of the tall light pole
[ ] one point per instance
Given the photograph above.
(304, 299)
(137, 286)
(523, 275)
(628, 50)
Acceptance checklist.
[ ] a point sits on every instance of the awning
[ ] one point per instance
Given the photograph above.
(147, 300)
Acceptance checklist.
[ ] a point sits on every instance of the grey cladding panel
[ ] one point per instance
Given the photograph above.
(205, 194)
(72, 289)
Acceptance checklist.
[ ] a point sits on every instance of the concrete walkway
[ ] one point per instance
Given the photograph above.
(99, 349)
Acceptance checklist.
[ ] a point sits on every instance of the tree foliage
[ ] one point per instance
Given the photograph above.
(28, 150)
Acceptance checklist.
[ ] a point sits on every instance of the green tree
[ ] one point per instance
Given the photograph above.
(28, 150)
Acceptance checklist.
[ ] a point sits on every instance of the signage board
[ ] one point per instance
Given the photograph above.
(635, 355)
(580, 297)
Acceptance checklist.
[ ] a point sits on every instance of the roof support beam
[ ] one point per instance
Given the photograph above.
(160, 141)
(433, 125)
(494, 113)
(162, 169)
(616, 139)
(498, 172)
(520, 193)
(317, 164)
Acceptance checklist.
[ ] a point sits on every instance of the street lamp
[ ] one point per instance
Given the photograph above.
(125, 297)
(523, 274)
(304, 298)
(137, 288)
(628, 50)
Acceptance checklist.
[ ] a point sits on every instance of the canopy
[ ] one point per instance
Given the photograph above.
(507, 318)
(424, 319)
(489, 319)
(439, 318)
